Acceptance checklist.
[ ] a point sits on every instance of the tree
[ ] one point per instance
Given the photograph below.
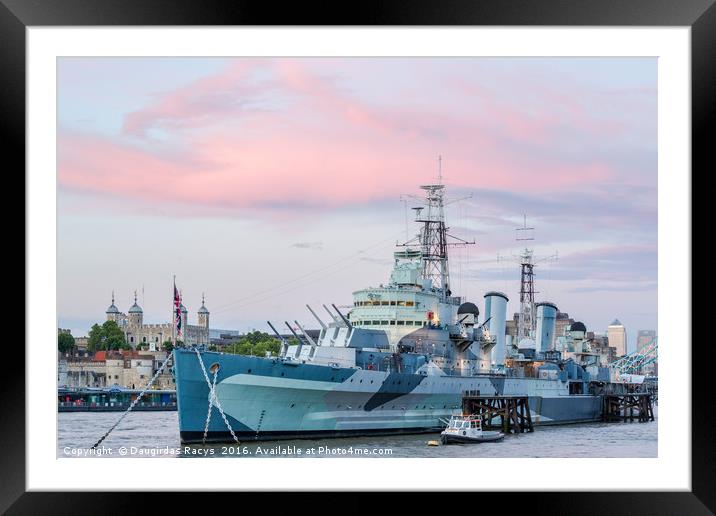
(94, 339)
(106, 337)
(114, 336)
(169, 347)
(65, 342)
(256, 343)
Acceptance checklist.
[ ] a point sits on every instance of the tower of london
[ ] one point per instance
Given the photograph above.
(138, 333)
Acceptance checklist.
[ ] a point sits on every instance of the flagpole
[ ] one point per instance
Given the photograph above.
(174, 323)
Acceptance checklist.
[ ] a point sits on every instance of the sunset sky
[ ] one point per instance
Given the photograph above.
(272, 183)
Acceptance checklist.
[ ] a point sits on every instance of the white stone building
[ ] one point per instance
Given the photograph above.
(137, 332)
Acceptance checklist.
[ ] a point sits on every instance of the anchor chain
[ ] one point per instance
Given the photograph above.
(136, 400)
(213, 398)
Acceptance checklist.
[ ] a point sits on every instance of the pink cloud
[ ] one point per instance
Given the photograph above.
(321, 145)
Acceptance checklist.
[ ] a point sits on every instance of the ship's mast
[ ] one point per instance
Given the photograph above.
(433, 236)
(526, 321)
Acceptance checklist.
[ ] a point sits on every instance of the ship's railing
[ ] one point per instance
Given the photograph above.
(116, 404)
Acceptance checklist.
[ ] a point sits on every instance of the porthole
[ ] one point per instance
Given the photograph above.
(249, 371)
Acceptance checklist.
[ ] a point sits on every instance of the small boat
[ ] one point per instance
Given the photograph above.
(468, 429)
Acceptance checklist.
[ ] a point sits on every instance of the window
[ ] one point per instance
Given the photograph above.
(376, 323)
(401, 303)
(401, 323)
(392, 303)
(409, 303)
(366, 323)
(384, 303)
(392, 323)
(131, 339)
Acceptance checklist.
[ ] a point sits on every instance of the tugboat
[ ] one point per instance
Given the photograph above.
(468, 429)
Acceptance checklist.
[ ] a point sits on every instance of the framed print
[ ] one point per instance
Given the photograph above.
(366, 254)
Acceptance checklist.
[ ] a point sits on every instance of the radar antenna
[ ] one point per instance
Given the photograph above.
(433, 239)
(527, 320)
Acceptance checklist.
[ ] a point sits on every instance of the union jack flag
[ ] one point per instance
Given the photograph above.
(177, 310)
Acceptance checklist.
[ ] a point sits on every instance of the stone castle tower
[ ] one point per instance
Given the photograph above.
(154, 335)
(136, 314)
(113, 313)
(203, 314)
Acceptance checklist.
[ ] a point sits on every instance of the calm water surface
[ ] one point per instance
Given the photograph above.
(155, 434)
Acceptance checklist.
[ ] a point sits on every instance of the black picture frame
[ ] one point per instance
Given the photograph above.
(700, 15)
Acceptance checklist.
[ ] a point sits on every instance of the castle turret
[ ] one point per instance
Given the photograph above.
(136, 314)
(112, 311)
(203, 314)
(184, 320)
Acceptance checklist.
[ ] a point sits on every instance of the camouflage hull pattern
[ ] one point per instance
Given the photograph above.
(267, 399)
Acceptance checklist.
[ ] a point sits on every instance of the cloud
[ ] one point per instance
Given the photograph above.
(308, 245)
(593, 268)
(281, 134)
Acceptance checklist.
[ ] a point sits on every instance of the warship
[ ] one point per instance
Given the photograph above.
(399, 361)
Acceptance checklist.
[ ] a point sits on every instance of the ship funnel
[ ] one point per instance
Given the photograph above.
(496, 313)
(546, 321)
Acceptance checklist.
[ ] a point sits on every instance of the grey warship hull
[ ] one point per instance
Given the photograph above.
(267, 399)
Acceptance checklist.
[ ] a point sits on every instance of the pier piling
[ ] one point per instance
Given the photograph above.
(513, 412)
(627, 407)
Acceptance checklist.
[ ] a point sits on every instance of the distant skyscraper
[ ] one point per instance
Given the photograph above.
(616, 333)
(644, 337)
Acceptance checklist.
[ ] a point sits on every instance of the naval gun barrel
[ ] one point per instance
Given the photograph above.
(308, 337)
(338, 323)
(348, 323)
(294, 333)
(284, 342)
(317, 318)
(280, 337)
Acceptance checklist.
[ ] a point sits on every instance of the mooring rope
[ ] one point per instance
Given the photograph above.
(136, 400)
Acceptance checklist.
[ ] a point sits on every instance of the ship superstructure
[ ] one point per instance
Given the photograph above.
(398, 361)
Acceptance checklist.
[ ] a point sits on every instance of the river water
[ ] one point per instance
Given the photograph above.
(155, 434)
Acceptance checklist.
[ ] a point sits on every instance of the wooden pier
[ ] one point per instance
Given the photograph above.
(513, 411)
(627, 407)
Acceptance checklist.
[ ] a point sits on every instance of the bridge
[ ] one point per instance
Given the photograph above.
(635, 361)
